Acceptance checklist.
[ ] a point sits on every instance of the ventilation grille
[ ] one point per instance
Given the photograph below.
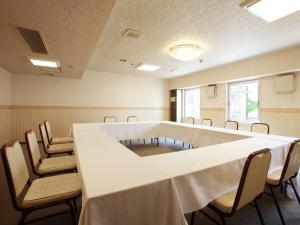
(33, 39)
(129, 33)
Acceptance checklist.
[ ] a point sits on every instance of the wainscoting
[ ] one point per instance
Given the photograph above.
(282, 121)
(18, 119)
(5, 124)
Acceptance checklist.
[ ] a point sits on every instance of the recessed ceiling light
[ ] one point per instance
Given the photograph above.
(185, 52)
(271, 10)
(147, 67)
(45, 63)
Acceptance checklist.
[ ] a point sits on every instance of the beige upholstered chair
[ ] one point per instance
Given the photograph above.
(230, 124)
(110, 119)
(189, 120)
(260, 128)
(56, 140)
(42, 167)
(206, 122)
(40, 193)
(250, 188)
(55, 148)
(286, 175)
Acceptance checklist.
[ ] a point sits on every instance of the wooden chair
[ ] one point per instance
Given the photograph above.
(48, 166)
(250, 188)
(40, 193)
(110, 119)
(206, 122)
(285, 175)
(56, 140)
(260, 128)
(231, 124)
(54, 148)
(132, 119)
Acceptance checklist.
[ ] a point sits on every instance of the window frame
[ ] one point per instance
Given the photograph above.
(228, 99)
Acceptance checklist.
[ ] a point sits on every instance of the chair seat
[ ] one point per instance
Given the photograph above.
(62, 140)
(57, 164)
(274, 177)
(225, 202)
(60, 148)
(52, 189)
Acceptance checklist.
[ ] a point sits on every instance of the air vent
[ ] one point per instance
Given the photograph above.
(33, 39)
(129, 33)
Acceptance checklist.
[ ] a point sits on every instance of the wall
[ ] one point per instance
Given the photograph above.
(97, 94)
(282, 61)
(280, 110)
(5, 108)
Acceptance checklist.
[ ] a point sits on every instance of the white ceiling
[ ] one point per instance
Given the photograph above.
(71, 29)
(222, 28)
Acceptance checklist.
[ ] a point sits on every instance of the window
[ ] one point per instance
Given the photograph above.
(243, 102)
(191, 102)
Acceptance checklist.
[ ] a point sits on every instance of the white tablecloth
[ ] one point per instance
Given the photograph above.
(121, 188)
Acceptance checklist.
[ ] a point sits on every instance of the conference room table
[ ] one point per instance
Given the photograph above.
(122, 188)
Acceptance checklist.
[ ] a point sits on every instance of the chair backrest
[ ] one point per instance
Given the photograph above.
(253, 178)
(44, 136)
(206, 122)
(16, 171)
(230, 124)
(132, 119)
(110, 119)
(48, 130)
(189, 120)
(292, 162)
(33, 148)
(260, 128)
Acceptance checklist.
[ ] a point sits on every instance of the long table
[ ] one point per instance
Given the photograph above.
(121, 188)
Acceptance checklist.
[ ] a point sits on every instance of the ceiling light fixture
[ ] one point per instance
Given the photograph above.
(185, 52)
(271, 10)
(147, 67)
(45, 63)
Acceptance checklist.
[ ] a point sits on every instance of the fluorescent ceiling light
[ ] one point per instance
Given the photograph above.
(185, 52)
(147, 67)
(45, 63)
(271, 10)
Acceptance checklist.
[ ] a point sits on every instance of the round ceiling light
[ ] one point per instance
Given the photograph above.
(185, 52)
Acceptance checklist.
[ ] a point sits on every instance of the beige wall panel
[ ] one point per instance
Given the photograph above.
(5, 125)
(217, 115)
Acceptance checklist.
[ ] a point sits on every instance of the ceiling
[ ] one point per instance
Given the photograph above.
(223, 29)
(70, 28)
(88, 34)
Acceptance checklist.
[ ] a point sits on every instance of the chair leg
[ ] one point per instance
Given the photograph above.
(277, 206)
(223, 221)
(22, 219)
(193, 218)
(72, 213)
(259, 213)
(75, 205)
(144, 141)
(174, 142)
(165, 139)
(294, 188)
(182, 144)
(130, 142)
(158, 141)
